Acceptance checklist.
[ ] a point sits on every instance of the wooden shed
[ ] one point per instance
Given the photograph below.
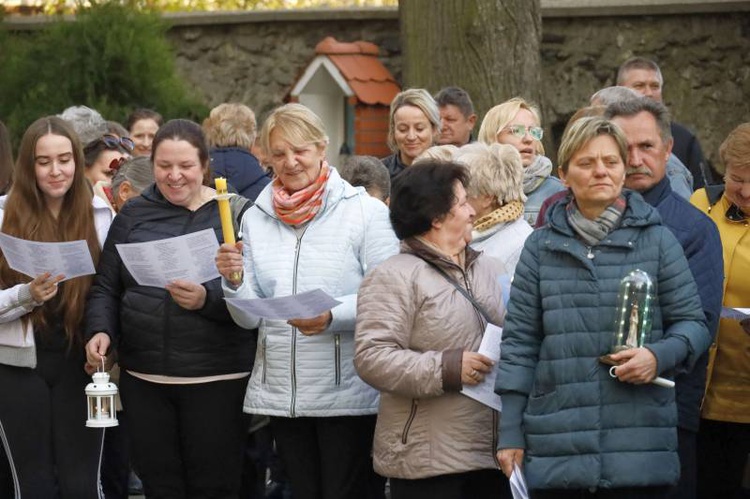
(350, 89)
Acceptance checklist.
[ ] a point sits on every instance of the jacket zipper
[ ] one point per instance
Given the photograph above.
(293, 402)
(412, 415)
(471, 293)
(337, 356)
(265, 360)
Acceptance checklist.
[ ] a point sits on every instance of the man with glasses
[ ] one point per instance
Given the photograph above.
(646, 126)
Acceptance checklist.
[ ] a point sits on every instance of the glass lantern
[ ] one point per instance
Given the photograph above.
(101, 402)
(635, 301)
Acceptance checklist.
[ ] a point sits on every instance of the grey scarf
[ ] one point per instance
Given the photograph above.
(593, 231)
(536, 173)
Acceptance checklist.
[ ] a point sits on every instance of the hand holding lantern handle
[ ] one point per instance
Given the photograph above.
(225, 212)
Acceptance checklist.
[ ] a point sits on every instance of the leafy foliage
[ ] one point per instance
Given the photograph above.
(113, 58)
(70, 6)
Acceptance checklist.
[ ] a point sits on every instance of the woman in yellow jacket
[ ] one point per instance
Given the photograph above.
(724, 436)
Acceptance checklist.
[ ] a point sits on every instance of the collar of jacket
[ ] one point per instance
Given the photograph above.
(637, 214)
(658, 192)
(414, 246)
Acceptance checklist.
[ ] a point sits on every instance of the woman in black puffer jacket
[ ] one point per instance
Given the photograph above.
(185, 362)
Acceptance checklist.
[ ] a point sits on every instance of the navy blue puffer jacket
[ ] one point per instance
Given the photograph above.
(241, 169)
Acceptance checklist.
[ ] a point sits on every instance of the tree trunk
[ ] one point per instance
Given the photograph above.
(490, 48)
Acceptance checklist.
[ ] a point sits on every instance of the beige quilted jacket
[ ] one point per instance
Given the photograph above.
(412, 327)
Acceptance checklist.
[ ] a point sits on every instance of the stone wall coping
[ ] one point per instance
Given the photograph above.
(550, 8)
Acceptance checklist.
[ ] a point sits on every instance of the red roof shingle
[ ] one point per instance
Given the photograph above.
(358, 63)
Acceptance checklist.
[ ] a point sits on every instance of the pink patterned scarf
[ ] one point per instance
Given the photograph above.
(302, 206)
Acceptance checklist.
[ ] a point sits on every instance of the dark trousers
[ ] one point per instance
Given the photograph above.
(686, 448)
(723, 450)
(620, 493)
(50, 452)
(328, 458)
(186, 440)
(468, 485)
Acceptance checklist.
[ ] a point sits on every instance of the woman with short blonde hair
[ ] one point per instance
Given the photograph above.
(310, 229)
(563, 407)
(230, 124)
(230, 131)
(496, 193)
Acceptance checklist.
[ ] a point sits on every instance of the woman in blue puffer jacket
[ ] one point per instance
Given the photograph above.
(570, 425)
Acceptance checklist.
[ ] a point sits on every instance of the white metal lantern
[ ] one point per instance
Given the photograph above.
(101, 402)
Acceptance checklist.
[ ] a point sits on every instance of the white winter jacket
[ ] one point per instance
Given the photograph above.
(503, 241)
(296, 375)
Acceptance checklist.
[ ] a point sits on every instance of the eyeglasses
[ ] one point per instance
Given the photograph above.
(112, 141)
(519, 131)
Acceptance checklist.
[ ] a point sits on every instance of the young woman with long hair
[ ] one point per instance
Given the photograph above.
(43, 410)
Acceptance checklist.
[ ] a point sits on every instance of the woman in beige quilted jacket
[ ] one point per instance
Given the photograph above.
(421, 316)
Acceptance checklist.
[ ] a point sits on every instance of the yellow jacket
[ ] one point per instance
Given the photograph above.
(728, 383)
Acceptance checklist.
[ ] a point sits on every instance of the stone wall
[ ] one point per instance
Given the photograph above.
(705, 58)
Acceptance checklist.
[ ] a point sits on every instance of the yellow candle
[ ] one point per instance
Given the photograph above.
(224, 211)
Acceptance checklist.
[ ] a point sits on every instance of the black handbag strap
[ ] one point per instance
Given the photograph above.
(460, 289)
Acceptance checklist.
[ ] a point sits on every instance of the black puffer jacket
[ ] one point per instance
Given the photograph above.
(153, 334)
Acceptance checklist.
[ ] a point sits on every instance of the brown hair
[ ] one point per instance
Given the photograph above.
(190, 132)
(143, 114)
(27, 217)
(6, 159)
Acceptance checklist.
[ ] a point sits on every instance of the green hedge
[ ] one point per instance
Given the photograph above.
(112, 58)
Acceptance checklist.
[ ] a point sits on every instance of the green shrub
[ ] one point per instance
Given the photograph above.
(112, 58)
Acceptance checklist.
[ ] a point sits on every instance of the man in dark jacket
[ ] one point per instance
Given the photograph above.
(646, 125)
(644, 76)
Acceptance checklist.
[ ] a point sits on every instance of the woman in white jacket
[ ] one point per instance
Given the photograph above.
(496, 194)
(310, 229)
(42, 377)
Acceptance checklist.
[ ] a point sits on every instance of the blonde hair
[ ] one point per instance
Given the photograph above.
(735, 150)
(582, 131)
(230, 125)
(446, 152)
(422, 100)
(501, 116)
(298, 125)
(496, 170)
